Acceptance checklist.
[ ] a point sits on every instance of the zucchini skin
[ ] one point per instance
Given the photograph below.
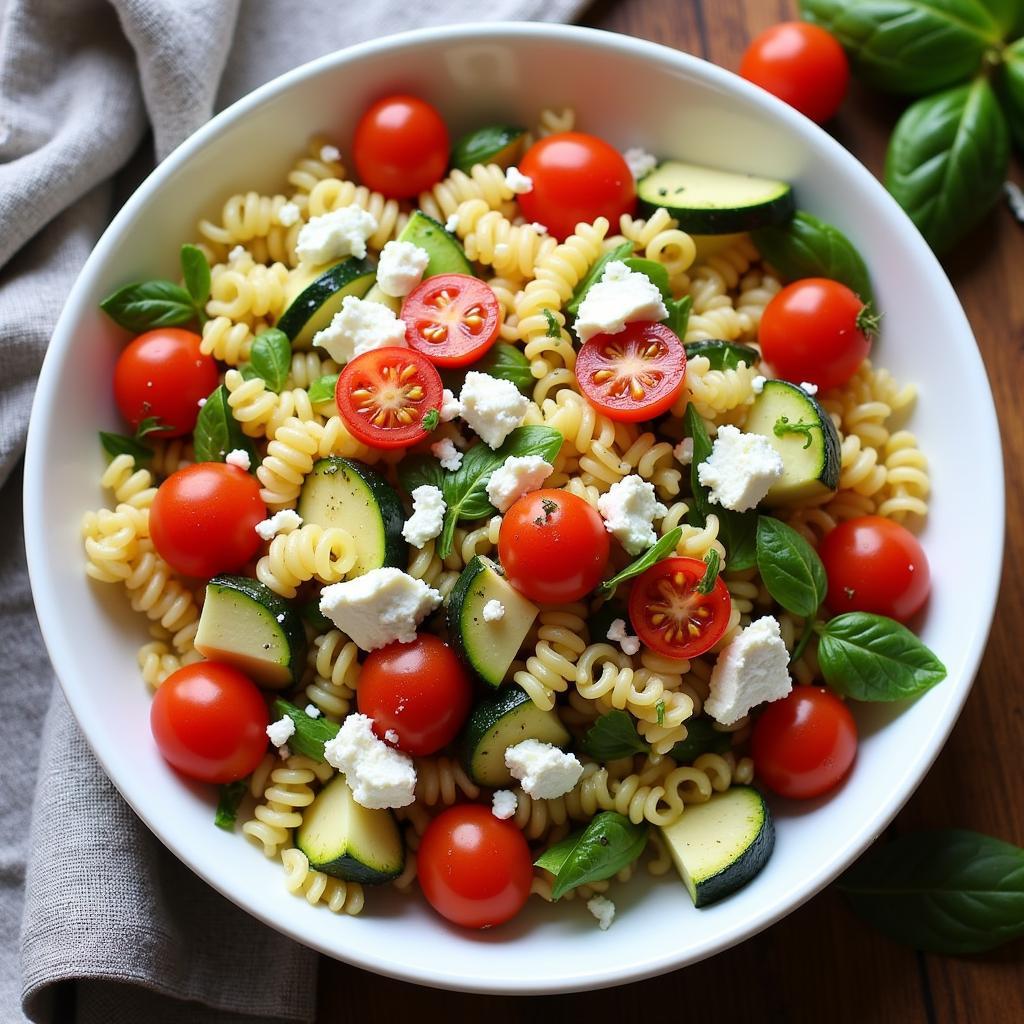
(727, 222)
(351, 870)
(332, 280)
(445, 251)
(456, 602)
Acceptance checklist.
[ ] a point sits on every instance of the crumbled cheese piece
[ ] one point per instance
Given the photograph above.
(758, 383)
(618, 635)
(280, 522)
(639, 162)
(401, 268)
(494, 611)
(378, 775)
(451, 407)
(312, 711)
(447, 454)
(379, 607)
(288, 215)
(358, 327)
(201, 402)
(427, 517)
(329, 154)
(240, 458)
(620, 297)
(544, 771)
(504, 804)
(740, 469)
(239, 252)
(541, 229)
(284, 752)
(603, 909)
(341, 232)
(752, 669)
(391, 736)
(519, 475)
(281, 731)
(629, 509)
(683, 451)
(492, 407)
(451, 225)
(808, 388)
(517, 181)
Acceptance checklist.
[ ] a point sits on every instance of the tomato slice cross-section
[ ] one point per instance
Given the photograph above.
(453, 319)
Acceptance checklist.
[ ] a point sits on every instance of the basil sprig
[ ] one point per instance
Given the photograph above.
(271, 358)
(654, 554)
(217, 432)
(678, 309)
(790, 568)
(229, 797)
(951, 891)
(323, 389)
(620, 252)
(605, 846)
(119, 444)
(613, 736)
(310, 733)
(145, 305)
(701, 738)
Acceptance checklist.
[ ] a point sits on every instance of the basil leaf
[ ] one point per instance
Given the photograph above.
(872, 658)
(809, 247)
(229, 796)
(1005, 15)
(416, 470)
(678, 315)
(217, 432)
(605, 846)
(620, 252)
(310, 733)
(949, 891)
(311, 613)
(695, 429)
(664, 547)
(118, 444)
(248, 373)
(271, 357)
(790, 568)
(148, 304)
(613, 736)
(947, 160)
(701, 738)
(196, 272)
(151, 425)
(722, 355)
(506, 362)
(483, 145)
(909, 46)
(323, 388)
(654, 272)
(712, 560)
(600, 621)
(1011, 89)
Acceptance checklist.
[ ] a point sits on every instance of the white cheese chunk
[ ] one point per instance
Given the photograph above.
(544, 771)
(504, 804)
(683, 451)
(280, 522)
(492, 407)
(237, 254)
(493, 611)
(622, 296)
(639, 162)
(518, 475)
(342, 232)
(281, 731)
(400, 268)
(240, 458)
(617, 634)
(447, 454)
(288, 215)
(808, 388)
(740, 469)
(758, 383)
(603, 909)
(451, 407)
(427, 517)
(391, 737)
(451, 225)
(535, 225)
(358, 327)
(378, 775)
(751, 669)
(517, 181)
(313, 711)
(328, 154)
(629, 509)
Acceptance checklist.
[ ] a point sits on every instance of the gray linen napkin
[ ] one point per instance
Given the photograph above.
(113, 928)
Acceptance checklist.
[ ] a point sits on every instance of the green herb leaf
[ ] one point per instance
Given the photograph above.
(554, 328)
(271, 357)
(1006, 15)
(217, 431)
(1010, 84)
(430, 420)
(947, 161)
(604, 847)
(229, 796)
(620, 252)
(722, 355)
(808, 247)
(600, 620)
(484, 145)
(310, 611)
(678, 315)
(701, 738)
(196, 272)
(323, 388)
(248, 373)
(148, 304)
(790, 568)
(613, 736)
(151, 425)
(504, 361)
(872, 658)
(707, 583)
(664, 547)
(950, 891)
(118, 444)
(654, 272)
(659, 709)
(310, 733)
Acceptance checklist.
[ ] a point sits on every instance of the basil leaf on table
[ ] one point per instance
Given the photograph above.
(613, 736)
(620, 252)
(951, 891)
(662, 548)
(609, 843)
(271, 357)
(118, 444)
(1011, 89)
(873, 658)
(701, 738)
(229, 797)
(217, 432)
(196, 272)
(323, 389)
(722, 355)
(148, 304)
(947, 161)
(310, 733)
(790, 568)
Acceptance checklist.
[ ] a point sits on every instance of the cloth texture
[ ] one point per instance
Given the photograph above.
(109, 925)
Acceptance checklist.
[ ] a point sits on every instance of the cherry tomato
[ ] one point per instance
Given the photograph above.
(203, 519)
(816, 330)
(162, 373)
(875, 565)
(633, 375)
(670, 616)
(474, 868)
(804, 744)
(453, 319)
(384, 394)
(576, 178)
(553, 546)
(210, 722)
(418, 690)
(802, 65)
(401, 146)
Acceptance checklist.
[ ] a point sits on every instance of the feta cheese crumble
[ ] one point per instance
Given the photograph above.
(603, 909)
(451, 225)
(517, 181)
(447, 454)
(451, 407)
(639, 162)
(427, 517)
(284, 752)
(341, 232)
(494, 611)
(620, 297)
(378, 775)
(752, 669)
(238, 457)
(288, 215)
(617, 634)
(312, 711)
(280, 522)
(239, 252)
(492, 407)
(808, 388)
(358, 327)
(758, 383)
(379, 607)
(544, 771)
(629, 509)
(740, 469)
(400, 268)
(504, 804)
(329, 154)
(281, 731)
(541, 229)
(391, 736)
(201, 402)
(519, 475)
(683, 451)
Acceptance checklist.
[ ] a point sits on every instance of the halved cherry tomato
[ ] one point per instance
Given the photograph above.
(670, 616)
(384, 394)
(474, 868)
(401, 146)
(453, 319)
(576, 177)
(633, 375)
(553, 546)
(203, 519)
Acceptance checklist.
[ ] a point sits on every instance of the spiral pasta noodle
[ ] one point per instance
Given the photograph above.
(494, 241)
(310, 552)
(484, 182)
(288, 460)
(315, 887)
(278, 815)
(442, 780)
(552, 666)
(336, 674)
(332, 194)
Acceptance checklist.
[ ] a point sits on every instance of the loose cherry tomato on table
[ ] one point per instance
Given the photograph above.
(418, 690)
(384, 394)
(553, 546)
(801, 64)
(633, 375)
(453, 319)
(210, 722)
(401, 146)
(576, 178)
(804, 744)
(816, 330)
(162, 373)
(671, 616)
(203, 519)
(474, 868)
(875, 565)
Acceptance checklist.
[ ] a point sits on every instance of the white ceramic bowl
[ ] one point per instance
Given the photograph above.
(632, 93)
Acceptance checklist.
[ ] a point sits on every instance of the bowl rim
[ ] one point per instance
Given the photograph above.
(46, 595)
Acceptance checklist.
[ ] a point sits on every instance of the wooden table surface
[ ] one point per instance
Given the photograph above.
(821, 963)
